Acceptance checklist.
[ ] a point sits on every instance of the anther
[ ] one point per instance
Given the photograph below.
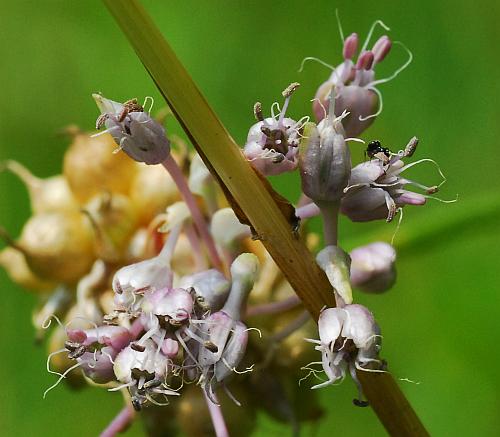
(137, 347)
(257, 111)
(290, 89)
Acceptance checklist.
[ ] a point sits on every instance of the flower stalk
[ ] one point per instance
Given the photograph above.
(226, 162)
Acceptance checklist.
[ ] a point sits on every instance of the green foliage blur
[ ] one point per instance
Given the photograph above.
(441, 320)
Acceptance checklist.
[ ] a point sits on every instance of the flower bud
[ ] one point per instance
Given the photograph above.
(19, 272)
(244, 271)
(227, 229)
(149, 275)
(373, 267)
(90, 167)
(324, 161)
(133, 129)
(336, 264)
(211, 288)
(354, 83)
(46, 195)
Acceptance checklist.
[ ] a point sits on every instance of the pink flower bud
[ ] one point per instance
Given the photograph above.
(373, 267)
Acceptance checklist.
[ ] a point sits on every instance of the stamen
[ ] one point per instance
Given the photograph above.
(400, 210)
(339, 25)
(48, 361)
(399, 70)
(370, 33)
(152, 103)
(61, 378)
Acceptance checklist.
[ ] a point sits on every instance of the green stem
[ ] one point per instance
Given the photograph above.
(330, 215)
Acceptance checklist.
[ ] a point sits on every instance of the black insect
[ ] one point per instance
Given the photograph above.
(375, 150)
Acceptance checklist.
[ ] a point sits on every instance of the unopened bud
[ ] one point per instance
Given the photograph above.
(373, 267)
(324, 162)
(336, 264)
(244, 271)
(211, 285)
(227, 229)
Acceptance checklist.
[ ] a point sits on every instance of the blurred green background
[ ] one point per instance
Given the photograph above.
(441, 320)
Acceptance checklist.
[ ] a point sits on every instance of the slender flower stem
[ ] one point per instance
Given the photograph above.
(194, 241)
(307, 211)
(198, 219)
(330, 214)
(216, 416)
(289, 329)
(119, 423)
(273, 307)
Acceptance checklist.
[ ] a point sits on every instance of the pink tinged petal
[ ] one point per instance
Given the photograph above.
(330, 324)
(359, 102)
(233, 352)
(381, 48)
(366, 172)
(364, 204)
(209, 284)
(170, 348)
(359, 325)
(147, 141)
(410, 198)
(350, 46)
(76, 335)
(176, 304)
(98, 367)
(219, 327)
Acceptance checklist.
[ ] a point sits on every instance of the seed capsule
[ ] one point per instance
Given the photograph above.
(90, 167)
(114, 220)
(46, 195)
(152, 191)
(19, 272)
(58, 246)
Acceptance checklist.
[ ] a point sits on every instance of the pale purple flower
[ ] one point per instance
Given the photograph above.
(377, 189)
(143, 370)
(349, 339)
(133, 129)
(272, 142)
(354, 82)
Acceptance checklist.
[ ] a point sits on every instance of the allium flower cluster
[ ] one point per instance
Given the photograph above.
(151, 272)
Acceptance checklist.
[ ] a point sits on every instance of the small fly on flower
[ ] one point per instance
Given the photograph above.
(375, 150)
